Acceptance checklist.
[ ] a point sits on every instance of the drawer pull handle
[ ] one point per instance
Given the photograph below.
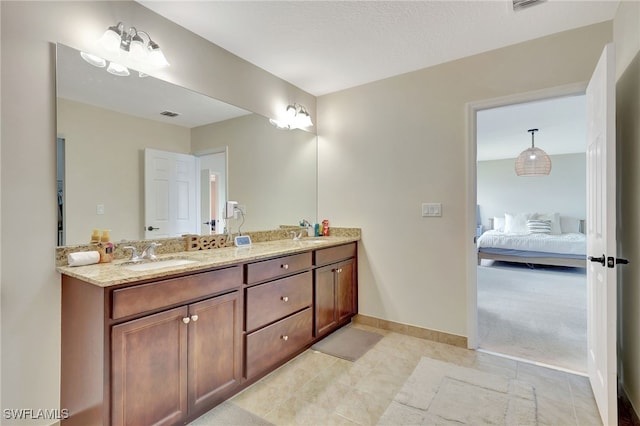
(186, 320)
(285, 337)
(284, 298)
(285, 266)
(194, 318)
(339, 270)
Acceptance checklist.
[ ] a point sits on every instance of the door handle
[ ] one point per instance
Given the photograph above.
(611, 261)
(601, 260)
(151, 228)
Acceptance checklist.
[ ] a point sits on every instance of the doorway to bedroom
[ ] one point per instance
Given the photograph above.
(531, 277)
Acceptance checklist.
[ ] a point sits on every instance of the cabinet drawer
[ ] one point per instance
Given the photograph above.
(272, 344)
(269, 302)
(268, 269)
(334, 254)
(156, 295)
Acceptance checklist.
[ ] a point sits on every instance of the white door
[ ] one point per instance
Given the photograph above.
(170, 202)
(601, 236)
(205, 202)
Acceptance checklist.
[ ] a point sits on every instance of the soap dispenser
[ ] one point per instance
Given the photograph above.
(95, 237)
(105, 247)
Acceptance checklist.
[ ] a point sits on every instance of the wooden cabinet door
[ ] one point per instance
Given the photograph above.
(149, 369)
(325, 300)
(345, 290)
(215, 350)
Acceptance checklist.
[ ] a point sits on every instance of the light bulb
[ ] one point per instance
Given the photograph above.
(94, 60)
(117, 69)
(112, 38)
(137, 50)
(156, 57)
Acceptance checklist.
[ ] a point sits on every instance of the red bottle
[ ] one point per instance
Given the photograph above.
(325, 228)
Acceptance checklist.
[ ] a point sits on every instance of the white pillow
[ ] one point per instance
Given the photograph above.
(539, 226)
(498, 224)
(555, 221)
(569, 225)
(516, 223)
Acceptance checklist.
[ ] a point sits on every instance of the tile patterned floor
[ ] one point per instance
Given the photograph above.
(318, 389)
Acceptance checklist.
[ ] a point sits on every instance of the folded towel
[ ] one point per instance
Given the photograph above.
(83, 258)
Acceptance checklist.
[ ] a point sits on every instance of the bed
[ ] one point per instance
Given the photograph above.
(534, 239)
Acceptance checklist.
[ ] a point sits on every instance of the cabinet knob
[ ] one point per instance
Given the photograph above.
(285, 266)
(285, 337)
(186, 320)
(339, 270)
(284, 298)
(194, 318)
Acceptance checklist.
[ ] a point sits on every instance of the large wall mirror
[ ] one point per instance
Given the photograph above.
(106, 123)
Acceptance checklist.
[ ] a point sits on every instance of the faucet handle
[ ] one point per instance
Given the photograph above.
(150, 251)
(134, 252)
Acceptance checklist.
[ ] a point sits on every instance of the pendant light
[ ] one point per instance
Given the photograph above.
(533, 161)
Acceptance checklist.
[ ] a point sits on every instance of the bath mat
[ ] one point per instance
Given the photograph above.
(348, 343)
(438, 392)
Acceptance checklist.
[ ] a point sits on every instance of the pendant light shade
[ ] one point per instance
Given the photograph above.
(533, 161)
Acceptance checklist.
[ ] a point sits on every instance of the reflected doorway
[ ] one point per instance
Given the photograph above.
(213, 191)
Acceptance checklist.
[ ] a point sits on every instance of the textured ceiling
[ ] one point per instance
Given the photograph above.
(561, 123)
(324, 46)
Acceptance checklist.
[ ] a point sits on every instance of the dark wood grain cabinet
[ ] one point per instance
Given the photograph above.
(163, 352)
(149, 370)
(279, 314)
(335, 289)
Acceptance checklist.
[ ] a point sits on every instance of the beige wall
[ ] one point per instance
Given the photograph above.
(388, 146)
(104, 164)
(29, 283)
(627, 39)
(271, 171)
(564, 191)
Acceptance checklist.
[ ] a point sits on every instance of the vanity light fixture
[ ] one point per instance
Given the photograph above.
(533, 161)
(295, 117)
(132, 47)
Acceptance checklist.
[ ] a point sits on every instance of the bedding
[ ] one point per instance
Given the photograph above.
(534, 239)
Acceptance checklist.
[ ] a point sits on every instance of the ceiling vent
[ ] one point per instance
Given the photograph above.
(169, 114)
(523, 4)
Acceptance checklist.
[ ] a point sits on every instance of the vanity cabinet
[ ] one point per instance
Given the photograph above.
(335, 288)
(279, 314)
(132, 357)
(167, 365)
(164, 351)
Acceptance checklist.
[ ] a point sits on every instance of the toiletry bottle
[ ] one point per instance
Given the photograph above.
(317, 229)
(95, 237)
(105, 247)
(325, 228)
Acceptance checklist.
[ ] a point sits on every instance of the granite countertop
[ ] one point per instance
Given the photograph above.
(116, 272)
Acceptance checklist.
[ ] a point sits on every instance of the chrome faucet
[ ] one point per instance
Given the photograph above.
(150, 251)
(134, 253)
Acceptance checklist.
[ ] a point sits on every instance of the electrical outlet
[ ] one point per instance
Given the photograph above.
(431, 209)
(242, 208)
(100, 209)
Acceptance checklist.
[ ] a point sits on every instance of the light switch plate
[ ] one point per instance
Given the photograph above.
(431, 209)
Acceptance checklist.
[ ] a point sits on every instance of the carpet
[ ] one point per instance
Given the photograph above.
(440, 393)
(539, 315)
(347, 343)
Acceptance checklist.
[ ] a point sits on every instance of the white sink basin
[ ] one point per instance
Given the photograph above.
(313, 241)
(157, 264)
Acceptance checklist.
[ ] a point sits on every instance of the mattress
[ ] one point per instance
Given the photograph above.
(574, 244)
